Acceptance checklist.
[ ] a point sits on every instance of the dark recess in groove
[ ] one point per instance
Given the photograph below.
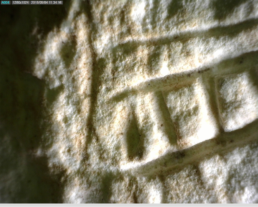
(167, 124)
(210, 88)
(134, 140)
(225, 8)
(97, 70)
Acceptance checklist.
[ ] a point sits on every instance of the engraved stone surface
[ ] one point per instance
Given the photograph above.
(130, 102)
(238, 100)
(190, 114)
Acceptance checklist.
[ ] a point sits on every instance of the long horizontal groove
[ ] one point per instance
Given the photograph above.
(177, 80)
(157, 84)
(220, 144)
(214, 31)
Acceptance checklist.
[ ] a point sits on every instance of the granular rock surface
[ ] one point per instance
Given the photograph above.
(145, 101)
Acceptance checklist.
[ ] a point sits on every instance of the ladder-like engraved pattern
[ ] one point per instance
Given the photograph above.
(237, 100)
(173, 117)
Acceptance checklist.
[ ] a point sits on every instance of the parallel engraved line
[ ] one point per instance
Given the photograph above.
(215, 31)
(220, 144)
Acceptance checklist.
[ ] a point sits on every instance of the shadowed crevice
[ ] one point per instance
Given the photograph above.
(224, 8)
(134, 140)
(174, 7)
(52, 94)
(164, 191)
(68, 52)
(167, 123)
(106, 185)
(25, 176)
(98, 66)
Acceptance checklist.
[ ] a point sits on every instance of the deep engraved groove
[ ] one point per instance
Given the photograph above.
(220, 144)
(96, 72)
(174, 81)
(134, 140)
(216, 32)
(212, 100)
(166, 122)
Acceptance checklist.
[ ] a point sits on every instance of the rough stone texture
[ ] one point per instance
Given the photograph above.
(129, 101)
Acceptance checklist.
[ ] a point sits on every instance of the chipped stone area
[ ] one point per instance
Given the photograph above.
(130, 102)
